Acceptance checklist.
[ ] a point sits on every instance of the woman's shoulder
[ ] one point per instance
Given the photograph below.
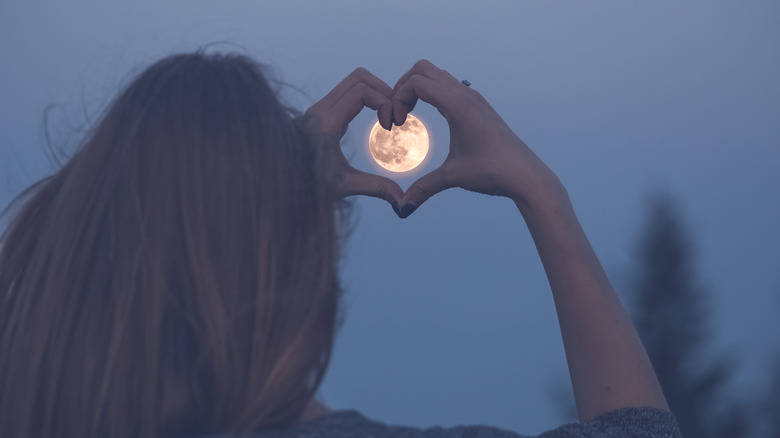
(629, 422)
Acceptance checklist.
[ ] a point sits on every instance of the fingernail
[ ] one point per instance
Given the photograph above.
(406, 210)
(396, 209)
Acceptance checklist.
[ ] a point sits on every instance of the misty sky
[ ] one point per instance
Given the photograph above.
(449, 316)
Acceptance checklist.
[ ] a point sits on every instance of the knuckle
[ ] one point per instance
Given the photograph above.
(461, 99)
(415, 79)
(360, 87)
(422, 64)
(463, 103)
(361, 73)
(331, 128)
(479, 96)
(317, 124)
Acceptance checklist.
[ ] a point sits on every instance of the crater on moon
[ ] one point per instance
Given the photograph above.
(401, 149)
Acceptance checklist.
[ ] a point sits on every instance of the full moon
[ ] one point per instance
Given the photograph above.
(401, 149)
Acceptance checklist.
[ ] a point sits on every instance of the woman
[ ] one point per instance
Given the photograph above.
(178, 276)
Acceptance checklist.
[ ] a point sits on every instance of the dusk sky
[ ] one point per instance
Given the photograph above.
(449, 318)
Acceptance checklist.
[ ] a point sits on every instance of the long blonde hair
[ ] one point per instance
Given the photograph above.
(178, 275)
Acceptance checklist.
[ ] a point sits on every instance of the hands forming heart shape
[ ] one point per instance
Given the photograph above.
(484, 156)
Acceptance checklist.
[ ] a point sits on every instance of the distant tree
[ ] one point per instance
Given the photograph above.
(769, 406)
(670, 310)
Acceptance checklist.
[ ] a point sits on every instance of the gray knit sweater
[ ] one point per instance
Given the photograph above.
(623, 423)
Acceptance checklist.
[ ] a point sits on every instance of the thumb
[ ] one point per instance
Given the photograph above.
(426, 186)
(356, 182)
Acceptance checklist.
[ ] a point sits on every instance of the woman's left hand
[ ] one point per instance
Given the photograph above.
(326, 123)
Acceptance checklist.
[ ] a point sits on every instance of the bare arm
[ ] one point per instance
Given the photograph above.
(608, 365)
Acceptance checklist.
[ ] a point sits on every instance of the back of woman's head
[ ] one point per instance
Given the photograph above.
(178, 275)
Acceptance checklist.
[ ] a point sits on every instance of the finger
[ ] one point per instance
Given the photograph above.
(359, 75)
(421, 190)
(419, 87)
(426, 68)
(452, 78)
(353, 102)
(356, 182)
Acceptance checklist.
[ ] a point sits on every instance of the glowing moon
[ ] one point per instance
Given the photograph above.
(401, 149)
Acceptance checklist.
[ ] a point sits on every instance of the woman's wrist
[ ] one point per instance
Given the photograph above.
(544, 192)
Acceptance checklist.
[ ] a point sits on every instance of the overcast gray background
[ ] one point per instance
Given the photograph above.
(450, 319)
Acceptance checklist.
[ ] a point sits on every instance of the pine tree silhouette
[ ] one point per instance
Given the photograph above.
(769, 405)
(670, 310)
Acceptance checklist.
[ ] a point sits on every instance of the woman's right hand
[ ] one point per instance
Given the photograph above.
(485, 155)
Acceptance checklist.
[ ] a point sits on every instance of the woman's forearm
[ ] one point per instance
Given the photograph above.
(608, 365)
